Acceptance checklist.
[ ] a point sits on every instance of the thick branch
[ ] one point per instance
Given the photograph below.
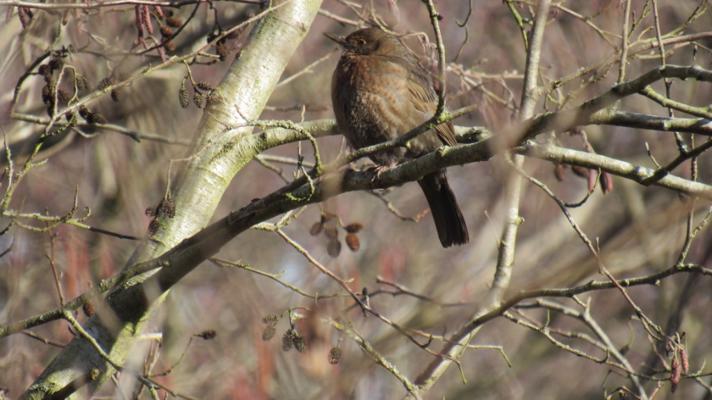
(566, 119)
(700, 126)
(620, 168)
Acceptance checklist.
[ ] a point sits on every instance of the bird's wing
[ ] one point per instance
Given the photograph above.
(420, 85)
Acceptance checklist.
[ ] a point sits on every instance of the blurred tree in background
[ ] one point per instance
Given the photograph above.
(143, 140)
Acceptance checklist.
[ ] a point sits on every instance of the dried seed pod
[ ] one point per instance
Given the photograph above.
(46, 94)
(204, 86)
(153, 226)
(170, 46)
(559, 170)
(81, 82)
(591, 181)
(174, 22)
(70, 117)
(212, 97)
(166, 31)
(84, 112)
(606, 182)
(298, 342)
(199, 99)
(183, 96)
(287, 340)
(331, 232)
(166, 208)
(580, 171)
(88, 309)
(96, 118)
(171, 210)
(55, 63)
(104, 83)
(333, 248)
(270, 319)
(684, 359)
(353, 241)
(44, 70)
(207, 334)
(334, 355)
(268, 332)
(353, 227)
(316, 228)
(675, 373)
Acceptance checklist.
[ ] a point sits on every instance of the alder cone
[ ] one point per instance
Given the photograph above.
(353, 242)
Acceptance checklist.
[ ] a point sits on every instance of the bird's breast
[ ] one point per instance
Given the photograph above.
(373, 101)
(370, 74)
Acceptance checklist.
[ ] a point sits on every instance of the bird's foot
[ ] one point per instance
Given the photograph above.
(379, 169)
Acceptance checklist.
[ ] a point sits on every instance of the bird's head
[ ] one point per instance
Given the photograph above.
(369, 41)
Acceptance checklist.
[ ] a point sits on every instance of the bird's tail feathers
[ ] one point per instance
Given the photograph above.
(448, 218)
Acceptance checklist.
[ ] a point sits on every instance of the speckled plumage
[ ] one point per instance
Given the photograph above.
(379, 92)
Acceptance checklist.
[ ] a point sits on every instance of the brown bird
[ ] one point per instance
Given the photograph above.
(379, 92)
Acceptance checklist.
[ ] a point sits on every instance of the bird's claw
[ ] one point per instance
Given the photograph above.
(379, 170)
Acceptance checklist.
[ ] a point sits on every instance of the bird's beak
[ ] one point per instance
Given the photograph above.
(337, 39)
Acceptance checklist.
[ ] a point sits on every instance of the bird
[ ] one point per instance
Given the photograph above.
(380, 91)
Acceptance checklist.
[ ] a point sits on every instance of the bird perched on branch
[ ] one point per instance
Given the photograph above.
(379, 92)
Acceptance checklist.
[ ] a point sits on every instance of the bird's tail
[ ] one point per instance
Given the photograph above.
(446, 213)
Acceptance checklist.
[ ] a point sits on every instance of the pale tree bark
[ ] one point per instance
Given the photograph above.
(223, 146)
